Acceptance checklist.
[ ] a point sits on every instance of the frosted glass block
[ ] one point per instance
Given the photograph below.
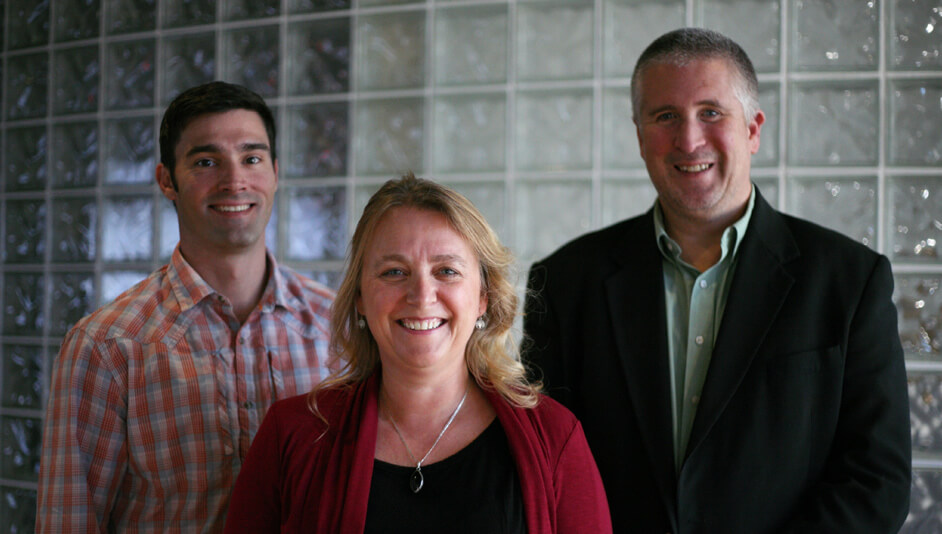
(251, 9)
(490, 199)
(313, 6)
(127, 228)
(125, 16)
(22, 304)
(555, 40)
(622, 199)
(73, 297)
(390, 51)
(27, 79)
(19, 456)
(113, 283)
(319, 61)
(550, 213)
(918, 301)
(18, 510)
(76, 73)
(470, 133)
(753, 24)
(388, 134)
(925, 412)
(471, 45)
(915, 218)
(619, 136)
(317, 228)
(847, 205)
(768, 186)
(914, 38)
(25, 161)
(74, 154)
(23, 376)
(554, 130)
(768, 135)
(76, 19)
(331, 279)
(169, 229)
(129, 151)
(188, 12)
(925, 503)
(835, 35)
(631, 25)
(252, 59)
(387, 2)
(130, 74)
(25, 233)
(73, 229)
(32, 23)
(833, 123)
(317, 140)
(914, 117)
(188, 60)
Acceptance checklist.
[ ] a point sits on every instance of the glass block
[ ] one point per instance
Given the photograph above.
(317, 140)
(550, 213)
(768, 186)
(390, 51)
(555, 40)
(126, 16)
(915, 218)
(76, 88)
(22, 304)
(113, 283)
(471, 45)
(470, 133)
(331, 279)
(73, 297)
(25, 237)
(18, 510)
(490, 199)
(915, 113)
(833, 123)
(189, 60)
(27, 81)
(75, 154)
(73, 229)
(768, 135)
(169, 229)
(622, 199)
(129, 151)
(914, 41)
(250, 9)
(25, 159)
(835, 35)
(554, 130)
(23, 376)
(32, 23)
(619, 137)
(19, 456)
(631, 25)
(847, 205)
(130, 74)
(320, 58)
(388, 135)
(918, 301)
(179, 13)
(387, 2)
(925, 412)
(925, 503)
(252, 59)
(76, 19)
(753, 24)
(313, 6)
(127, 228)
(317, 228)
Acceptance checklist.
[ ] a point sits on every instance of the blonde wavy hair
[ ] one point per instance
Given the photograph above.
(491, 355)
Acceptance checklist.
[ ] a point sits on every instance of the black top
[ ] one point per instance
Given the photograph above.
(475, 490)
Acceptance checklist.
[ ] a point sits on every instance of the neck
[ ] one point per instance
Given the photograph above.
(240, 276)
(416, 402)
(700, 240)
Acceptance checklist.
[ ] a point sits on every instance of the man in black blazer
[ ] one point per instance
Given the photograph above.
(736, 370)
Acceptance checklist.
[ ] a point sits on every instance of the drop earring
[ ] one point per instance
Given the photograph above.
(480, 323)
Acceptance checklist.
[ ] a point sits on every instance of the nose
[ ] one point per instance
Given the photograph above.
(232, 177)
(421, 290)
(689, 136)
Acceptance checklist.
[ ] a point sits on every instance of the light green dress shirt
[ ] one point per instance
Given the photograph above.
(695, 303)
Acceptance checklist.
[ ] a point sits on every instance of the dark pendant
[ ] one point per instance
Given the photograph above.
(416, 481)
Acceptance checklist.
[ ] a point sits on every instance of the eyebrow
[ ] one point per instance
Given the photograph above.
(440, 258)
(213, 148)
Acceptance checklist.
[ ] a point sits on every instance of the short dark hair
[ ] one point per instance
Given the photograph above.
(213, 97)
(681, 46)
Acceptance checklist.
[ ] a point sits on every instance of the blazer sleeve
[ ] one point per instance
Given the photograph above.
(866, 484)
(542, 346)
(581, 504)
(256, 499)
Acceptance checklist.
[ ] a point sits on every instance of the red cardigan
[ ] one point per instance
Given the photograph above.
(292, 481)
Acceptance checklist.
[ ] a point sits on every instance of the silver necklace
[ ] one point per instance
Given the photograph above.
(416, 481)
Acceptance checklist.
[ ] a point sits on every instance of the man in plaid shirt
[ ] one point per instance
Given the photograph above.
(155, 397)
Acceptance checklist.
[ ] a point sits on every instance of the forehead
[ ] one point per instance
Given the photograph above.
(404, 229)
(668, 83)
(231, 126)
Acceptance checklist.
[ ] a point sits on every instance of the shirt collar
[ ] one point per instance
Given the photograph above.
(190, 288)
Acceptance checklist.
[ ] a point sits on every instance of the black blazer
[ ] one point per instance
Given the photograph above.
(803, 423)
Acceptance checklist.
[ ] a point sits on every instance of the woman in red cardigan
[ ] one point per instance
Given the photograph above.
(430, 425)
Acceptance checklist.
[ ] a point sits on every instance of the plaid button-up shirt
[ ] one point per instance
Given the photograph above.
(155, 399)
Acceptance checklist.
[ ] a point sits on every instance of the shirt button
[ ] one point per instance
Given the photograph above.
(248, 405)
(703, 283)
(699, 340)
(227, 449)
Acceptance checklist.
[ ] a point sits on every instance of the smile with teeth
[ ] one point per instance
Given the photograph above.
(232, 209)
(695, 168)
(421, 324)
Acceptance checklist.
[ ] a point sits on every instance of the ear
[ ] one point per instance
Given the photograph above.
(162, 175)
(755, 126)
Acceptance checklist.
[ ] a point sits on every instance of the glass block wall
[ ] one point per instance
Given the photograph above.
(522, 105)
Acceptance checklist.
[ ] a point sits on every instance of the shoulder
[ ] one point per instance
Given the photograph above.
(303, 294)
(552, 422)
